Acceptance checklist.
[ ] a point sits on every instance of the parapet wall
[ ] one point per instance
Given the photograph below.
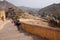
(45, 32)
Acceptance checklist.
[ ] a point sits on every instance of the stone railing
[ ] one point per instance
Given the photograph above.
(49, 33)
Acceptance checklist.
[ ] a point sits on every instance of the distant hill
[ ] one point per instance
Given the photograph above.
(5, 5)
(51, 9)
(32, 11)
(28, 8)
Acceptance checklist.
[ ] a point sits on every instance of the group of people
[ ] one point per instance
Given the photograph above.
(12, 15)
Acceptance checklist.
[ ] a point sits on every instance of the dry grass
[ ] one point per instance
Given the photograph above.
(34, 22)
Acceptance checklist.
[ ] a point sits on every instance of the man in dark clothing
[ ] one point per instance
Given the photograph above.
(17, 23)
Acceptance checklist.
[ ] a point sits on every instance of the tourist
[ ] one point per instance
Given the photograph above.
(17, 23)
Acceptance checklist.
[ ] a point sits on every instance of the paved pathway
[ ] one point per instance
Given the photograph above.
(9, 32)
(2, 23)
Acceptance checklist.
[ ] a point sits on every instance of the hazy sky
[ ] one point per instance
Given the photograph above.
(34, 3)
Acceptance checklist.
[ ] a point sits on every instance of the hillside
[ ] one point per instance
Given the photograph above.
(51, 9)
(5, 5)
(32, 11)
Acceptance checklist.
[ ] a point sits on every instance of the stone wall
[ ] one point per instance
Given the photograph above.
(49, 33)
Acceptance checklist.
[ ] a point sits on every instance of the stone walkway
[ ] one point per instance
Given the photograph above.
(10, 32)
(2, 23)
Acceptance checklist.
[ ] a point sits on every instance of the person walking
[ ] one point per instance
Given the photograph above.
(18, 24)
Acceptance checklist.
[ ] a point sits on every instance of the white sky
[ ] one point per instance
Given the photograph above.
(34, 3)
